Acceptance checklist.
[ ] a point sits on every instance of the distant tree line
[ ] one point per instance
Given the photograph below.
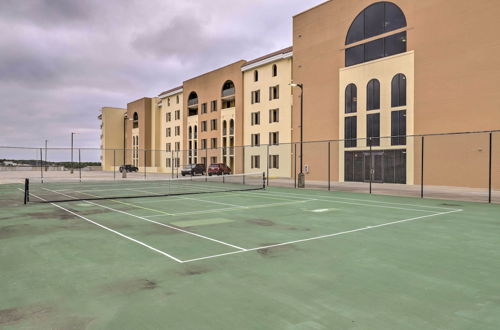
(34, 162)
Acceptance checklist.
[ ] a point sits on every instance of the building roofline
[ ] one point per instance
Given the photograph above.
(307, 10)
(269, 58)
(243, 62)
(170, 92)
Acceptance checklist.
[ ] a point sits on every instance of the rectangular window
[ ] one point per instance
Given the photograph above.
(213, 106)
(168, 101)
(214, 143)
(177, 114)
(177, 162)
(213, 160)
(203, 144)
(177, 99)
(168, 147)
(204, 126)
(373, 129)
(255, 118)
(203, 108)
(169, 132)
(168, 162)
(398, 128)
(169, 117)
(177, 130)
(177, 146)
(274, 138)
(274, 161)
(274, 115)
(255, 140)
(274, 92)
(255, 96)
(255, 162)
(350, 132)
(213, 124)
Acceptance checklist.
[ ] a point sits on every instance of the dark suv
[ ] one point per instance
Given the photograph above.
(193, 169)
(128, 168)
(218, 169)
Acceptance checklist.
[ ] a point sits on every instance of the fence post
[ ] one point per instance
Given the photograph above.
(80, 164)
(145, 164)
(422, 169)
(267, 162)
(263, 180)
(206, 163)
(371, 163)
(295, 165)
(176, 164)
(243, 163)
(489, 167)
(329, 170)
(41, 165)
(114, 164)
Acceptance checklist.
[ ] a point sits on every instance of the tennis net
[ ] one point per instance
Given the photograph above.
(67, 191)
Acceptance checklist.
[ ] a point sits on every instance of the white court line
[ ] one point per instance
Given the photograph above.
(112, 230)
(155, 222)
(350, 203)
(325, 236)
(370, 201)
(232, 208)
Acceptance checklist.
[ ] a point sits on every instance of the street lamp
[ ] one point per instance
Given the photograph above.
(124, 171)
(301, 183)
(72, 165)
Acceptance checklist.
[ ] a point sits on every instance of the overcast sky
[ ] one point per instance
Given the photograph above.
(62, 60)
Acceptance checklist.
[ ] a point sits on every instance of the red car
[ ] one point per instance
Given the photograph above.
(218, 169)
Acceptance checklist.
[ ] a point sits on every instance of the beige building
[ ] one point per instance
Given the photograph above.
(267, 120)
(112, 141)
(372, 74)
(375, 69)
(171, 130)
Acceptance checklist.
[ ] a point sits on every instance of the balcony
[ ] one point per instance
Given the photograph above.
(227, 93)
(193, 103)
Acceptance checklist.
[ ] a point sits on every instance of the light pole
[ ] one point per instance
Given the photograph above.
(124, 171)
(72, 165)
(302, 181)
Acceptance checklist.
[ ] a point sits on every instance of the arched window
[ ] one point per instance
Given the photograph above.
(398, 90)
(231, 127)
(256, 75)
(373, 95)
(193, 104)
(376, 19)
(195, 132)
(351, 98)
(190, 132)
(275, 70)
(135, 120)
(224, 127)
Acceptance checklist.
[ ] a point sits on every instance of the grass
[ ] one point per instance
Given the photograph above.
(354, 261)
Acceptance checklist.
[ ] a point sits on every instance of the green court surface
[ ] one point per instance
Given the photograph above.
(267, 259)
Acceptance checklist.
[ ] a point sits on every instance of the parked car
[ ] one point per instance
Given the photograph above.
(193, 169)
(218, 169)
(128, 168)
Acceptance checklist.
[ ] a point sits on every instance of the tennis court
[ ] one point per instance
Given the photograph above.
(232, 255)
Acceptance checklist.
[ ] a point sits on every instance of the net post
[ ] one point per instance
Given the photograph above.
(80, 164)
(26, 191)
(329, 188)
(41, 165)
(263, 180)
(489, 166)
(422, 168)
(371, 163)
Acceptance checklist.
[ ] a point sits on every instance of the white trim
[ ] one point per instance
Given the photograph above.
(172, 93)
(268, 60)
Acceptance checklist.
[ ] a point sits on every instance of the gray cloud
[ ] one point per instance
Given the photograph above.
(62, 60)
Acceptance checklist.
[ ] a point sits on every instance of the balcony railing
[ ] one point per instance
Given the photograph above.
(193, 102)
(228, 92)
